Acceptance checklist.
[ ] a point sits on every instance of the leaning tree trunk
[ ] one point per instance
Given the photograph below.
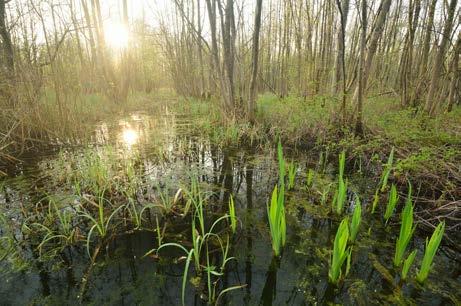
(455, 75)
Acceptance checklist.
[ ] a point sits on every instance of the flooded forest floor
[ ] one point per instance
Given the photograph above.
(134, 206)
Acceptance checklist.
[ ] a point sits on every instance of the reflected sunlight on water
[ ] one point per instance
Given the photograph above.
(130, 137)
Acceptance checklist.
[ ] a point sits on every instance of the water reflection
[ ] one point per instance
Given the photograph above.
(129, 137)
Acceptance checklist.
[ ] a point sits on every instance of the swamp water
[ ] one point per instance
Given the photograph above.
(159, 154)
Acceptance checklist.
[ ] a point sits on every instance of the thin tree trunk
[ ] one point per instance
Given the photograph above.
(254, 57)
(431, 102)
(362, 80)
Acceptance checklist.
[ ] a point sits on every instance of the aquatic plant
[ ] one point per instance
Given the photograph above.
(291, 175)
(340, 196)
(430, 251)
(341, 193)
(387, 170)
(393, 199)
(406, 231)
(340, 251)
(407, 264)
(281, 165)
(100, 223)
(356, 219)
(233, 218)
(277, 223)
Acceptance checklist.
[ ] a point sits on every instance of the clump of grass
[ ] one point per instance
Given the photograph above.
(392, 202)
(407, 264)
(201, 239)
(340, 252)
(356, 219)
(429, 252)
(406, 231)
(101, 223)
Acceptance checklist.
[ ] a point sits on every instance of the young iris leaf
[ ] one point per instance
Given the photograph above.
(356, 219)
(406, 231)
(393, 199)
(429, 252)
(340, 252)
(407, 264)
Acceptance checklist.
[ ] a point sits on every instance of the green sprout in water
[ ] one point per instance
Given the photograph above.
(393, 199)
(233, 218)
(341, 193)
(340, 252)
(356, 219)
(291, 175)
(310, 177)
(429, 252)
(277, 223)
(406, 231)
(407, 264)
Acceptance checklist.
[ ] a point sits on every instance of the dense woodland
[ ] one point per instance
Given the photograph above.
(227, 87)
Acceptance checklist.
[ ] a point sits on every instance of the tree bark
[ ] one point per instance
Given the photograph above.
(362, 80)
(6, 41)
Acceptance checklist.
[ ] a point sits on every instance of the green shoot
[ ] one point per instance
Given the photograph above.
(291, 175)
(407, 264)
(276, 216)
(340, 252)
(429, 252)
(393, 199)
(387, 171)
(356, 219)
(406, 231)
(340, 197)
(233, 218)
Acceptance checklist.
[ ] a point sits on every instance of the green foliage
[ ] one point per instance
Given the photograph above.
(291, 175)
(340, 197)
(392, 202)
(277, 223)
(407, 264)
(356, 219)
(341, 193)
(406, 231)
(430, 251)
(340, 252)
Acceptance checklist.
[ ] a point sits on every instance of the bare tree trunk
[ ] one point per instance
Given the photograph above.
(431, 102)
(362, 80)
(339, 72)
(254, 58)
(455, 75)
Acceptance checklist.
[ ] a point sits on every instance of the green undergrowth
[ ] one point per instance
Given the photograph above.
(427, 149)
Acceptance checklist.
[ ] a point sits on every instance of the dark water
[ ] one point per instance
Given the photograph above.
(166, 150)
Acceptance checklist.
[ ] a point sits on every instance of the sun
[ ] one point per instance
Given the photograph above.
(116, 35)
